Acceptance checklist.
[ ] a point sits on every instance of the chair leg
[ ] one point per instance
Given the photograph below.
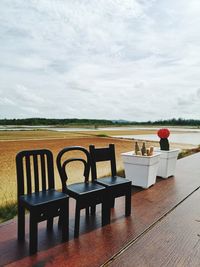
(113, 203)
(87, 212)
(60, 221)
(105, 212)
(33, 235)
(21, 222)
(128, 203)
(93, 210)
(77, 220)
(50, 224)
(65, 221)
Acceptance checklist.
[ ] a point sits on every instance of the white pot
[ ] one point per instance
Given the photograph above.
(167, 165)
(141, 170)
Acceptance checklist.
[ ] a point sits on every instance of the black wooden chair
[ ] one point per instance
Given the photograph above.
(35, 172)
(86, 193)
(117, 186)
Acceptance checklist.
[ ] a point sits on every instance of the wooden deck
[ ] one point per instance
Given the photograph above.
(174, 241)
(163, 230)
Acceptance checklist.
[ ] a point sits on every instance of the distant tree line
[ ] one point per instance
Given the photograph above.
(177, 122)
(43, 121)
(171, 122)
(96, 123)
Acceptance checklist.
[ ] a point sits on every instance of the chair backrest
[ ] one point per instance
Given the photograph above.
(61, 164)
(102, 154)
(35, 170)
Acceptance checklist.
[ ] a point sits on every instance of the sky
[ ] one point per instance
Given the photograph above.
(134, 60)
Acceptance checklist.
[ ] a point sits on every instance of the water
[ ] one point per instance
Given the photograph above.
(49, 128)
(192, 138)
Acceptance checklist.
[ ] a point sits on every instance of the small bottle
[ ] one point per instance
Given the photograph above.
(144, 150)
(148, 151)
(137, 148)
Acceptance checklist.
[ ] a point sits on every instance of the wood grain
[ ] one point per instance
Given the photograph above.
(174, 241)
(97, 245)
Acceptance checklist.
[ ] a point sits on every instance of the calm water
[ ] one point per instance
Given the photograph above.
(192, 138)
(30, 128)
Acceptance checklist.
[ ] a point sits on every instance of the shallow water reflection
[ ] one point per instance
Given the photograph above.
(182, 138)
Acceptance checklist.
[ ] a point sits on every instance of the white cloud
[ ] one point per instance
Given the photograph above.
(132, 59)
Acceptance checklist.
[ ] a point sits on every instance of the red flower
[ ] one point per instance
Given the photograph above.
(163, 133)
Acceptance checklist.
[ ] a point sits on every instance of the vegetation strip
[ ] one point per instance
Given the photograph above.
(95, 123)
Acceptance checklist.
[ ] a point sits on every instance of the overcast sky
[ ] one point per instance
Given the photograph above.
(103, 59)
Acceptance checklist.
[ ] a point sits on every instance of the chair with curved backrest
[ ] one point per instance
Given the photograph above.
(86, 193)
(35, 173)
(117, 186)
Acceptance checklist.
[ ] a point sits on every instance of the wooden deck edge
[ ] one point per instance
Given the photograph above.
(130, 243)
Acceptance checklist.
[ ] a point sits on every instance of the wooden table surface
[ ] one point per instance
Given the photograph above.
(161, 204)
(173, 241)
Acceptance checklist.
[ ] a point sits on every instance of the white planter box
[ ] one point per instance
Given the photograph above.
(167, 165)
(141, 170)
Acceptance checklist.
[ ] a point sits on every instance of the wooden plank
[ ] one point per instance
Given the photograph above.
(174, 241)
(96, 245)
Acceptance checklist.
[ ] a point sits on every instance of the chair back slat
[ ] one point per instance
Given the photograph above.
(61, 165)
(36, 175)
(113, 160)
(102, 154)
(28, 175)
(40, 170)
(43, 172)
(50, 170)
(20, 175)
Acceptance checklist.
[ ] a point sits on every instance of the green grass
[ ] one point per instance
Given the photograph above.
(102, 135)
(8, 211)
(121, 173)
(188, 152)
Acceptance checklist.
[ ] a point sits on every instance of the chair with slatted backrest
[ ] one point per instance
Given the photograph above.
(85, 193)
(117, 186)
(36, 193)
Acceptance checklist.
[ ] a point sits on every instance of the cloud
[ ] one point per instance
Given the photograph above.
(133, 59)
(27, 95)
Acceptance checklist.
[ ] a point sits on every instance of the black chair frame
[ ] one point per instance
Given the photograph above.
(86, 193)
(117, 186)
(42, 204)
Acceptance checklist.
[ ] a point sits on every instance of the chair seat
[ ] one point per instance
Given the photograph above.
(85, 188)
(112, 181)
(43, 197)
